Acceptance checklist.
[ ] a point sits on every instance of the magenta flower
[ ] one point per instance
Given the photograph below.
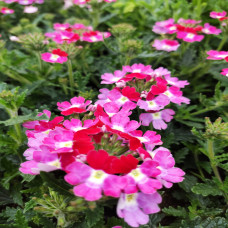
(163, 27)
(61, 27)
(134, 208)
(175, 82)
(158, 119)
(166, 45)
(65, 36)
(217, 15)
(94, 36)
(217, 55)
(5, 10)
(109, 78)
(56, 56)
(90, 182)
(155, 104)
(189, 36)
(209, 29)
(188, 21)
(225, 72)
(77, 105)
(169, 173)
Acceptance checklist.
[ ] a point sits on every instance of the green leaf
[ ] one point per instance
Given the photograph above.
(206, 189)
(21, 119)
(20, 220)
(94, 216)
(29, 205)
(188, 183)
(5, 197)
(177, 212)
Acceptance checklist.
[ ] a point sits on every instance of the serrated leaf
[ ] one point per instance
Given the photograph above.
(27, 177)
(177, 212)
(188, 183)
(93, 216)
(206, 189)
(20, 220)
(29, 205)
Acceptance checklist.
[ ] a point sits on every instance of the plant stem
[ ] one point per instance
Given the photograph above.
(205, 110)
(38, 55)
(197, 164)
(223, 41)
(211, 156)
(71, 79)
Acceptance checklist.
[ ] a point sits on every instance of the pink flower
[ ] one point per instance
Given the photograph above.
(30, 9)
(188, 21)
(65, 36)
(77, 105)
(175, 82)
(209, 29)
(61, 27)
(217, 15)
(56, 56)
(169, 173)
(90, 182)
(134, 208)
(225, 72)
(109, 78)
(138, 68)
(166, 45)
(94, 36)
(25, 2)
(155, 104)
(158, 119)
(162, 27)
(189, 36)
(80, 2)
(217, 55)
(5, 10)
(175, 95)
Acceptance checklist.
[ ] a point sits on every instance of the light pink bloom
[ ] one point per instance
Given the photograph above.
(120, 123)
(217, 55)
(189, 36)
(68, 4)
(217, 15)
(225, 72)
(30, 9)
(56, 56)
(161, 71)
(14, 38)
(76, 124)
(77, 105)
(79, 26)
(138, 68)
(156, 104)
(109, 78)
(60, 140)
(134, 208)
(209, 29)
(25, 2)
(5, 10)
(175, 82)
(166, 45)
(169, 173)
(80, 2)
(103, 97)
(175, 95)
(91, 182)
(162, 27)
(158, 119)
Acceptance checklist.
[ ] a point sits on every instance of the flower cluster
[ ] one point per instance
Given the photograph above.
(77, 32)
(187, 30)
(69, 34)
(103, 151)
(29, 8)
(149, 89)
